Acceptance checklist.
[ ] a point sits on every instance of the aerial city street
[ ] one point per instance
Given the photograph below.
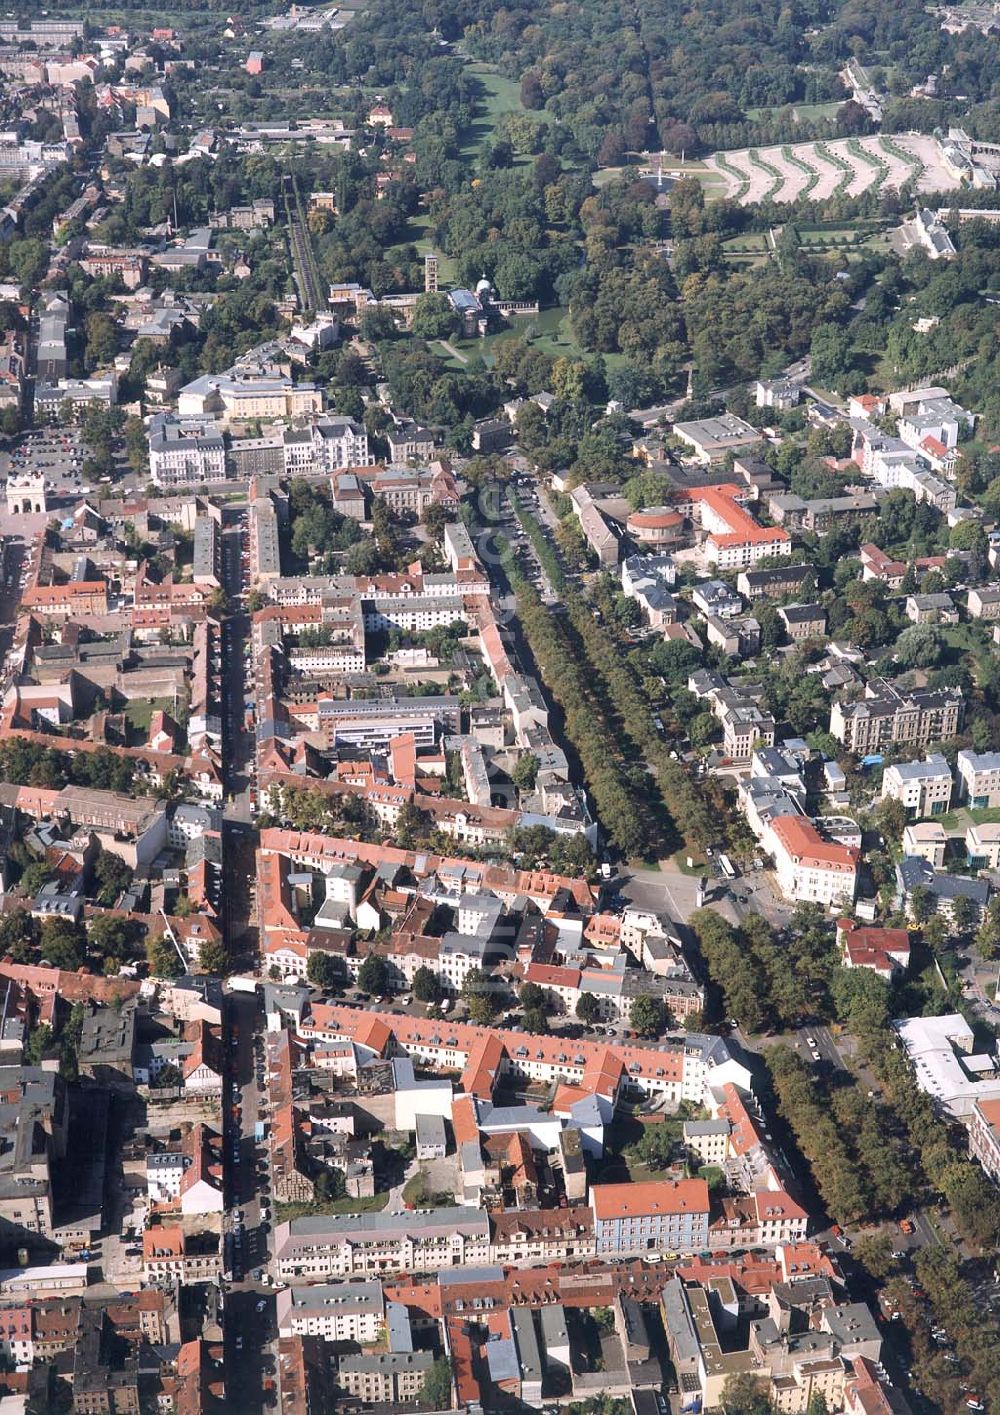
(500, 709)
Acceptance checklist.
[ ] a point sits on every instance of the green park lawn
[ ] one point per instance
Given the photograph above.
(551, 333)
(138, 712)
(498, 95)
(551, 327)
(417, 234)
(375, 1205)
(958, 820)
(804, 112)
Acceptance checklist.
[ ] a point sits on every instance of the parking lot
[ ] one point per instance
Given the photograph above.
(57, 454)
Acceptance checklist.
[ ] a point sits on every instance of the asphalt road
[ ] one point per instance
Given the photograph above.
(532, 566)
(250, 1323)
(237, 676)
(15, 555)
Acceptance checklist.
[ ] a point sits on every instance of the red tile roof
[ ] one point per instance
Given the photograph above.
(501, 881)
(479, 1049)
(655, 1196)
(807, 847)
(774, 1204)
(934, 446)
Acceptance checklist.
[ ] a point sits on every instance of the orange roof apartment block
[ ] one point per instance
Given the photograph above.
(657, 1216)
(885, 951)
(76, 597)
(984, 1136)
(735, 540)
(809, 867)
(483, 1056)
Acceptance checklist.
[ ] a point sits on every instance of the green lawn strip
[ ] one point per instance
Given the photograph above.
(139, 711)
(811, 172)
(550, 331)
(736, 174)
(498, 95)
(882, 168)
(540, 542)
(900, 153)
(835, 160)
(777, 177)
(959, 819)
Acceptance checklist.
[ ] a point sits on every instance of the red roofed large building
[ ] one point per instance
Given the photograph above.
(162, 732)
(984, 1136)
(169, 1252)
(735, 540)
(201, 1182)
(660, 1215)
(884, 951)
(76, 597)
(865, 1393)
(809, 867)
(196, 1389)
(324, 852)
(658, 526)
(780, 1219)
(202, 1067)
(876, 565)
(483, 1056)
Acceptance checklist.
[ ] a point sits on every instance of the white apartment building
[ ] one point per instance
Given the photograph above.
(75, 393)
(342, 1245)
(809, 867)
(328, 658)
(164, 1173)
(938, 417)
(414, 614)
(924, 788)
(942, 1052)
(984, 1136)
(189, 821)
(745, 727)
(185, 452)
(339, 442)
(928, 840)
(346, 1311)
(297, 448)
(979, 778)
(982, 842)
